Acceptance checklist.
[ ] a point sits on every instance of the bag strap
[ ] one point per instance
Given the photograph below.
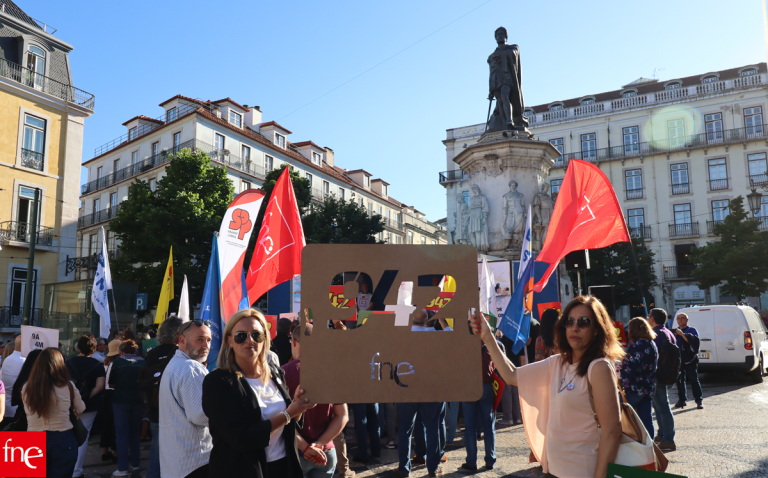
(72, 399)
(619, 389)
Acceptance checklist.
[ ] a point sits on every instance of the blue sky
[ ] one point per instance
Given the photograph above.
(390, 120)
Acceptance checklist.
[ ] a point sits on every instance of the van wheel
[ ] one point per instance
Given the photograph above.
(757, 373)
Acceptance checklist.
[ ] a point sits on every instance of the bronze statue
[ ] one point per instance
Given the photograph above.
(505, 85)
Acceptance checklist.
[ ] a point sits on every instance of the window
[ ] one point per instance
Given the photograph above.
(370, 208)
(361, 201)
(176, 140)
(529, 114)
(764, 209)
(155, 148)
(555, 107)
(714, 127)
(93, 244)
(465, 194)
(116, 165)
(236, 119)
(244, 186)
(367, 181)
(758, 169)
(673, 86)
(384, 189)
(588, 146)
(326, 188)
(631, 139)
(629, 94)
(134, 157)
(387, 215)
(634, 181)
(558, 144)
(309, 178)
(588, 101)
(635, 220)
(342, 194)
(316, 158)
(268, 163)
(246, 153)
(682, 213)
(718, 174)
(133, 133)
(100, 172)
(749, 72)
(753, 120)
(555, 185)
(378, 210)
(399, 239)
(36, 66)
(96, 205)
(434, 243)
(410, 237)
(113, 200)
(676, 133)
(389, 238)
(709, 79)
(171, 114)
(679, 178)
(423, 240)
(33, 151)
(280, 140)
(218, 141)
(719, 210)
(24, 208)
(153, 184)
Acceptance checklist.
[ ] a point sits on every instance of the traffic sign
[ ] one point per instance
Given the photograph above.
(142, 300)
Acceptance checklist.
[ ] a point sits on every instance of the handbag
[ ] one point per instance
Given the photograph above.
(636, 449)
(81, 433)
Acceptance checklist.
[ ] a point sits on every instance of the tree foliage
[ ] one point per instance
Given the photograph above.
(184, 211)
(613, 265)
(341, 222)
(737, 261)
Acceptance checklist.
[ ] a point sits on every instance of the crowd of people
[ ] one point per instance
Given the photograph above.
(248, 417)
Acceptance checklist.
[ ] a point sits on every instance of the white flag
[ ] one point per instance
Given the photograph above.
(102, 282)
(525, 254)
(486, 289)
(184, 302)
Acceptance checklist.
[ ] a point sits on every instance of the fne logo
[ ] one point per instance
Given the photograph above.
(22, 454)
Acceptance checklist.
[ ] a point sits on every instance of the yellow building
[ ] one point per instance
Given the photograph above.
(41, 133)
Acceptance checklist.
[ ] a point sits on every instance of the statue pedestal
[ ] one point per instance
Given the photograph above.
(490, 165)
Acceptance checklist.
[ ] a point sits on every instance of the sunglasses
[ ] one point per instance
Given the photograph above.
(199, 323)
(242, 336)
(581, 322)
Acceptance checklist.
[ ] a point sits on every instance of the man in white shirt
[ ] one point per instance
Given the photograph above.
(101, 347)
(183, 424)
(8, 374)
(364, 298)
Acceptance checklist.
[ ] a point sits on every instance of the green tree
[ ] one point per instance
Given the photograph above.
(613, 265)
(737, 260)
(341, 222)
(184, 211)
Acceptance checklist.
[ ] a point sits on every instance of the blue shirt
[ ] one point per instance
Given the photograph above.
(686, 349)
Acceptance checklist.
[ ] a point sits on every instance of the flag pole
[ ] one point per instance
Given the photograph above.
(637, 270)
(117, 324)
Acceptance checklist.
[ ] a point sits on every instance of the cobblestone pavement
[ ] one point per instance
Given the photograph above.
(729, 438)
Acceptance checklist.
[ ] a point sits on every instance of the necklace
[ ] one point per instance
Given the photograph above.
(568, 386)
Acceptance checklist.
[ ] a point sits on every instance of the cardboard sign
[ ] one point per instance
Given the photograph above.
(34, 338)
(383, 362)
(621, 333)
(621, 471)
(272, 324)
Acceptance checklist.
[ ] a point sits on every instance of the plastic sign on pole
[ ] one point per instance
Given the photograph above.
(34, 338)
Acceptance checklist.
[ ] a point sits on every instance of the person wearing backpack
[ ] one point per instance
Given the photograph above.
(156, 359)
(665, 343)
(688, 341)
(89, 376)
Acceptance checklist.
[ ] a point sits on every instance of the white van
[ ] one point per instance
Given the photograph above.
(733, 338)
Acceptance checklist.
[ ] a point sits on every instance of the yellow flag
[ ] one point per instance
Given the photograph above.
(166, 292)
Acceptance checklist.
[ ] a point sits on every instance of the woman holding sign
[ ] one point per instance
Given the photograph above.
(251, 416)
(554, 393)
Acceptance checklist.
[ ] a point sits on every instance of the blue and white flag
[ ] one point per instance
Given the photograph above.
(526, 254)
(515, 323)
(102, 282)
(210, 306)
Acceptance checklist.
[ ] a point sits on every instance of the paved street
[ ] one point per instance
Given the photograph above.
(729, 438)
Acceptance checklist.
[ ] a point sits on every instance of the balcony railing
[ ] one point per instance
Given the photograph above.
(222, 156)
(687, 229)
(681, 188)
(758, 179)
(394, 224)
(29, 78)
(718, 184)
(452, 176)
(32, 159)
(318, 194)
(634, 193)
(763, 222)
(98, 216)
(22, 232)
(711, 226)
(641, 231)
(679, 272)
(75, 264)
(12, 316)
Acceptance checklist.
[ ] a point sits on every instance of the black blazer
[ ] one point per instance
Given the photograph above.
(240, 435)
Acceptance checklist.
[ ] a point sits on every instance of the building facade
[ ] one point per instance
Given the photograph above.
(235, 137)
(42, 116)
(675, 151)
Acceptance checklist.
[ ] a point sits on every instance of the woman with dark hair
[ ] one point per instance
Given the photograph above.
(20, 419)
(127, 406)
(251, 416)
(555, 393)
(638, 370)
(545, 344)
(107, 440)
(47, 397)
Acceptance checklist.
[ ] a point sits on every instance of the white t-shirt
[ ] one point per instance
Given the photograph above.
(363, 301)
(271, 403)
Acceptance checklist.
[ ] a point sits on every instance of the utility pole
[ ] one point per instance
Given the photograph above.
(31, 262)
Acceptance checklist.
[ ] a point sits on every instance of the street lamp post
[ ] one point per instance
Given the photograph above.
(755, 199)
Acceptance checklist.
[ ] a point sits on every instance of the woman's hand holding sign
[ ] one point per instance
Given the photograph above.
(481, 327)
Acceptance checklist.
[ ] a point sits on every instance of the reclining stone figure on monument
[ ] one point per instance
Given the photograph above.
(505, 85)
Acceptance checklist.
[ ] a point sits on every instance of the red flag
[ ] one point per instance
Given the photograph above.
(587, 215)
(277, 255)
